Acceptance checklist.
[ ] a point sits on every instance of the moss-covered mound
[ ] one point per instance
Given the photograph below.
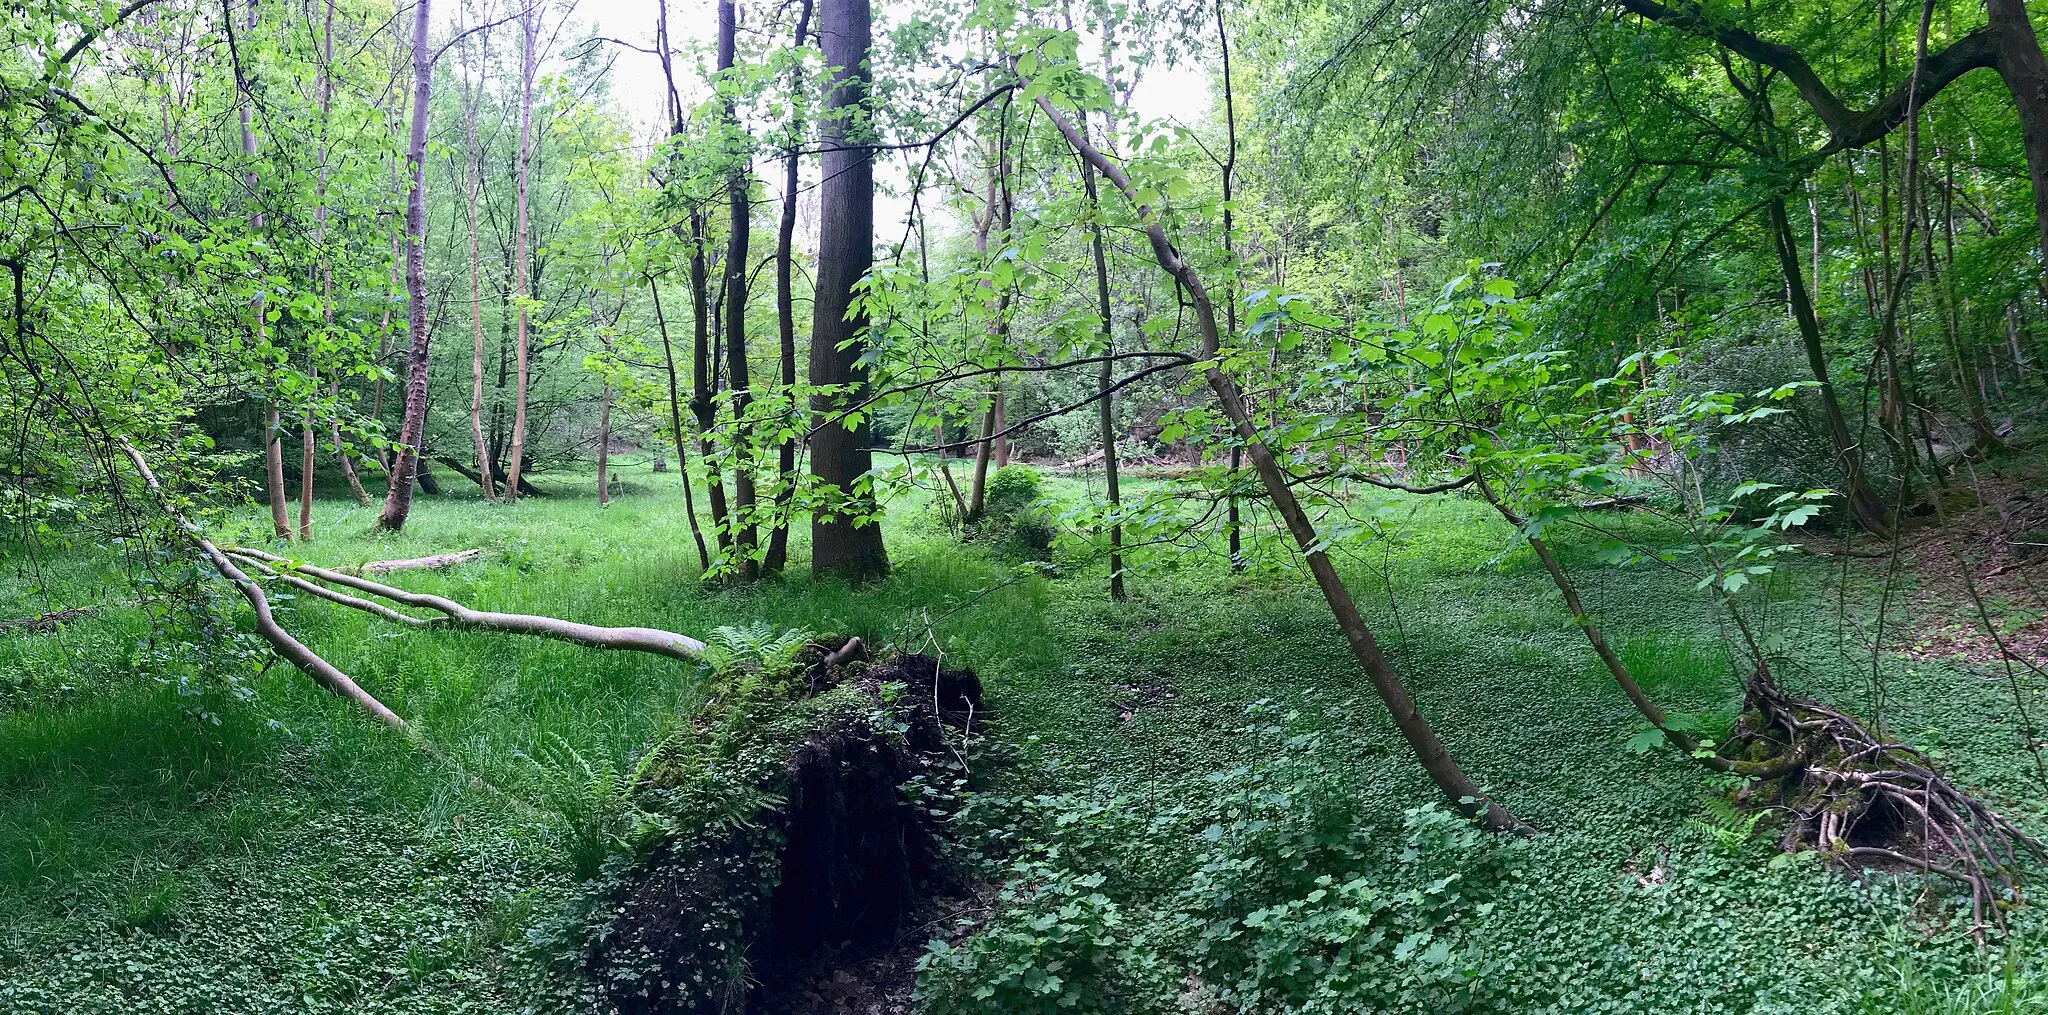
(792, 837)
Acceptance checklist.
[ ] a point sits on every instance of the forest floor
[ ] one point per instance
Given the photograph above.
(173, 842)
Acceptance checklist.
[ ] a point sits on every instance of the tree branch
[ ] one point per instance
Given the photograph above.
(1847, 128)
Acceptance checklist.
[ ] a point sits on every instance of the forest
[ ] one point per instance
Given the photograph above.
(1023, 506)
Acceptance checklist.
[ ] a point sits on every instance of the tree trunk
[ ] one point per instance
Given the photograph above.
(398, 495)
(993, 447)
(703, 384)
(323, 86)
(273, 442)
(384, 334)
(1457, 787)
(846, 536)
(739, 235)
(1863, 503)
(675, 422)
(476, 291)
(1105, 410)
(604, 447)
(2020, 63)
(1234, 521)
(785, 320)
(521, 261)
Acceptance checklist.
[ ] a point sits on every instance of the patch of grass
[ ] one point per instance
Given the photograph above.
(296, 857)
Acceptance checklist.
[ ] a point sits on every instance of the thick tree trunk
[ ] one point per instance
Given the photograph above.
(2020, 62)
(675, 422)
(521, 259)
(846, 537)
(1457, 787)
(739, 235)
(1864, 505)
(785, 320)
(398, 495)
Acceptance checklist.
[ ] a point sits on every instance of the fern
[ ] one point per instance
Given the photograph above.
(754, 646)
(1727, 825)
(593, 800)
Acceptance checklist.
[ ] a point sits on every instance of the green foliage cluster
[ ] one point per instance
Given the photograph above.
(1014, 518)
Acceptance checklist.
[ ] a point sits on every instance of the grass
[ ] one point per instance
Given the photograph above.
(169, 847)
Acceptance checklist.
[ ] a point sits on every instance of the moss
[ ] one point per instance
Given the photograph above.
(788, 833)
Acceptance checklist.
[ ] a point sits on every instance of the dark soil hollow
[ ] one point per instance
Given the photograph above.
(845, 871)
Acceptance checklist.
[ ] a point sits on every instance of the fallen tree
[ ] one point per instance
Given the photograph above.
(433, 563)
(788, 848)
(324, 583)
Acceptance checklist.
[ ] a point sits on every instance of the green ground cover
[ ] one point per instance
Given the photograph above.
(1197, 797)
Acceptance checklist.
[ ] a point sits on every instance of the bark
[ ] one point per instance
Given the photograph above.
(398, 495)
(291, 649)
(476, 292)
(785, 320)
(739, 234)
(1233, 523)
(455, 615)
(522, 266)
(604, 447)
(433, 563)
(1105, 409)
(348, 465)
(384, 334)
(324, 88)
(675, 422)
(1462, 792)
(273, 442)
(993, 447)
(2020, 63)
(846, 540)
(1864, 505)
(703, 390)
(273, 467)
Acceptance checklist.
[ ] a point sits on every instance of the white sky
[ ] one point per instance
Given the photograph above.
(1179, 93)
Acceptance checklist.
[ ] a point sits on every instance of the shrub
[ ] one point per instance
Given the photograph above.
(1013, 516)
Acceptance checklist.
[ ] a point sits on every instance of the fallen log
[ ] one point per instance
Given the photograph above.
(324, 673)
(456, 615)
(433, 563)
(48, 622)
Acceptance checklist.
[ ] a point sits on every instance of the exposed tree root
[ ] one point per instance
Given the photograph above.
(1859, 800)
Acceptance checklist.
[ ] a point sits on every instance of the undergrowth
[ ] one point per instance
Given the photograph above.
(1204, 804)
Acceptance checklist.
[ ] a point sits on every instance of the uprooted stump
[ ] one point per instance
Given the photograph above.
(1857, 799)
(791, 837)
